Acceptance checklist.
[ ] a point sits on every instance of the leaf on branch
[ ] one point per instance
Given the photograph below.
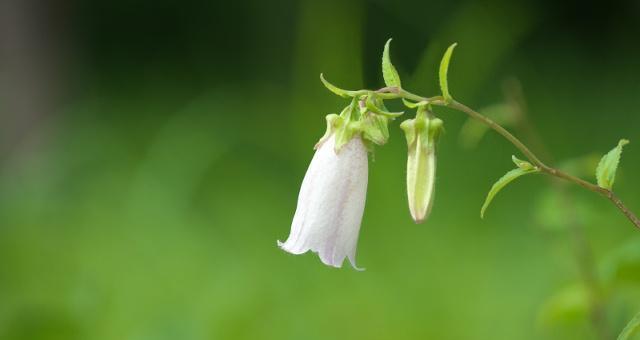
(389, 72)
(506, 179)
(606, 170)
(444, 69)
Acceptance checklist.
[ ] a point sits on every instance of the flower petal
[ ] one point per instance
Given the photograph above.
(331, 204)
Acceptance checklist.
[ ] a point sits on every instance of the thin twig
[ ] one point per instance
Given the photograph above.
(542, 166)
(392, 92)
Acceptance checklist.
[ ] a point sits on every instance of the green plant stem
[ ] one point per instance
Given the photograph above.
(632, 328)
(581, 246)
(542, 166)
(394, 92)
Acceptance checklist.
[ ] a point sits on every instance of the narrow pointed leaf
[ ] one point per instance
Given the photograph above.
(336, 90)
(389, 72)
(606, 170)
(444, 69)
(501, 183)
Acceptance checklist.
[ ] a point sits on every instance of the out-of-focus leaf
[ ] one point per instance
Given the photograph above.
(569, 305)
(622, 266)
(502, 182)
(444, 70)
(547, 214)
(580, 166)
(389, 72)
(557, 210)
(606, 170)
(631, 329)
(472, 131)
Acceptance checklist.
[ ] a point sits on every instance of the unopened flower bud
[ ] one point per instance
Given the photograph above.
(422, 134)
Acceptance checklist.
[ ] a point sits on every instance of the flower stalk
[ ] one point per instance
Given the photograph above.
(332, 196)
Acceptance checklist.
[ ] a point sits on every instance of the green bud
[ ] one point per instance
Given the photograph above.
(422, 133)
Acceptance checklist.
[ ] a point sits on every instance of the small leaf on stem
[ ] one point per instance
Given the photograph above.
(389, 72)
(606, 170)
(444, 69)
(503, 181)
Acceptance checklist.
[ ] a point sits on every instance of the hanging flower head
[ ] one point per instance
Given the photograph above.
(332, 197)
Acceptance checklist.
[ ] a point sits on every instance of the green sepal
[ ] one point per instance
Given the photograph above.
(336, 90)
(506, 179)
(408, 126)
(389, 72)
(376, 106)
(606, 170)
(333, 122)
(413, 105)
(375, 128)
(349, 126)
(444, 70)
(345, 133)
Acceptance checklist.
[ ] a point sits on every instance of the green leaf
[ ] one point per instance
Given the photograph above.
(389, 72)
(336, 90)
(444, 69)
(375, 128)
(606, 170)
(501, 183)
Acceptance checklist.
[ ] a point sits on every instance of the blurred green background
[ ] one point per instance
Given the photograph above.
(151, 154)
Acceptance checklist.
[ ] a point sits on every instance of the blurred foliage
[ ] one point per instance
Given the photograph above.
(148, 204)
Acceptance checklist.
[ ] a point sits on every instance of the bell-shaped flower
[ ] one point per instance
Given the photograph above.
(422, 134)
(332, 196)
(331, 203)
